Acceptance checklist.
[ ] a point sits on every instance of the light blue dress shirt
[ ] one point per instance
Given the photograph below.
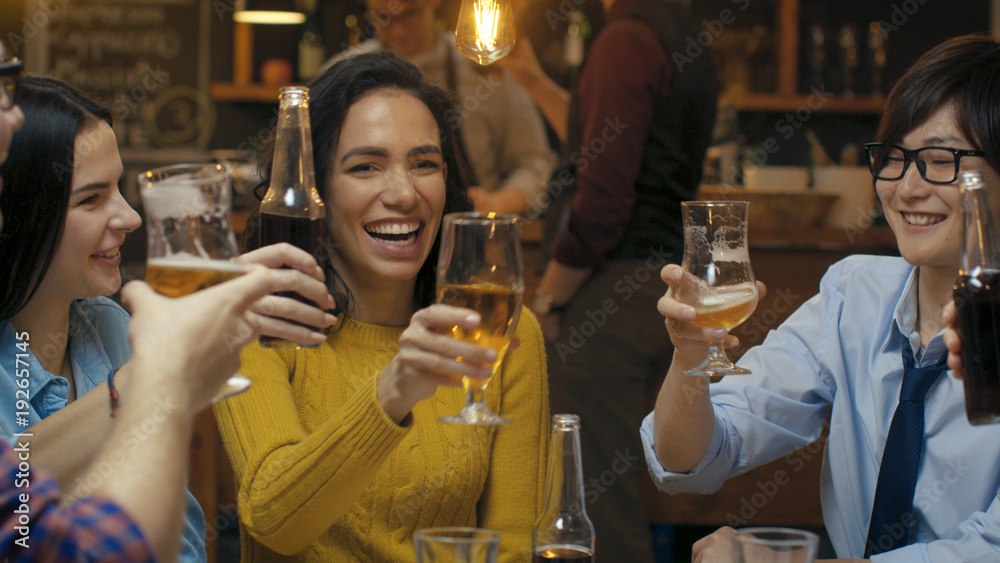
(840, 352)
(98, 343)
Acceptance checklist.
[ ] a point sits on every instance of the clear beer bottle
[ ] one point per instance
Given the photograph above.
(292, 210)
(564, 532)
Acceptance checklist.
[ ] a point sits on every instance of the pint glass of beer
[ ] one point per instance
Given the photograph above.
(188, 214)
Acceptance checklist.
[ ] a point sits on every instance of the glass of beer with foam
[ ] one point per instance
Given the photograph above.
(191, 245)
(480, 268)
(719, 282)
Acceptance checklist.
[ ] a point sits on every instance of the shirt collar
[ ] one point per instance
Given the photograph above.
(91, 364)
(905, 323)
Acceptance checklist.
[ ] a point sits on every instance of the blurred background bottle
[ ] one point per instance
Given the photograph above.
(564, 532)
(292, 210)
(312, 51)
(577, 34)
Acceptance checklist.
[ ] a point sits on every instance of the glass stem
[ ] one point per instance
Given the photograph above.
(477, 398)
(715, 349)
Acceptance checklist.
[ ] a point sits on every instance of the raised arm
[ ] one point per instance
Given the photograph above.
(281, 491)
(684, 418)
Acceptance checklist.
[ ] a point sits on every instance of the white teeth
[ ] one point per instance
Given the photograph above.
(922, 220)
(394, 229)
(399, 242)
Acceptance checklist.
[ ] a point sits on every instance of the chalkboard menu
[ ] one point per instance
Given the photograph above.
(147, 60)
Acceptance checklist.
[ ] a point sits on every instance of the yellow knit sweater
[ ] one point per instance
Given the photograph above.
(325, 475)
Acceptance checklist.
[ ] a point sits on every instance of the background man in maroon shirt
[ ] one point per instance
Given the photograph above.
(637, 127)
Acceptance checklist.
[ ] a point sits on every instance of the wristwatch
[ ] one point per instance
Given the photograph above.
(541, 304)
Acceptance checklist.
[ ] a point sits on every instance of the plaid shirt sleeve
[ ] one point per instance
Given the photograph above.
(36, 528)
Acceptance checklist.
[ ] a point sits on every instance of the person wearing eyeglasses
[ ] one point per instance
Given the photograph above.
(905, 477)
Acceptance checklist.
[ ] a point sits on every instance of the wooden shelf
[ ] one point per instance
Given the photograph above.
(832, 104)
(243, 88)
(249, 92)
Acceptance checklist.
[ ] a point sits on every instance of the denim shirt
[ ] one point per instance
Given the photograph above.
(98, 344)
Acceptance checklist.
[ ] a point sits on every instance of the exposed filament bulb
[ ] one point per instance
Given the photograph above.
(485, 31)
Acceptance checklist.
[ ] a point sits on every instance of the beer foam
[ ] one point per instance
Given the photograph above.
(187, 261)
(717, 298)
(177, 198)
(727, 245)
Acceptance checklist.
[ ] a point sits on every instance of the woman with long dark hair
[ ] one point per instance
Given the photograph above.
(337, 450)
(65, 222)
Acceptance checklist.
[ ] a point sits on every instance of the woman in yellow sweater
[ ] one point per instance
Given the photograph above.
(337, 450)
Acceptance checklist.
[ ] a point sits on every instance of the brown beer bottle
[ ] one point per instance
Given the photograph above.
(977, 302)
(564, 532)
(292, 210)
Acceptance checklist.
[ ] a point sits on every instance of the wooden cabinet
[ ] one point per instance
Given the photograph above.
(785, 34)
(243, 88)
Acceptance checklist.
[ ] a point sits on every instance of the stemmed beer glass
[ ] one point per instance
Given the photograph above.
(719, 282)
(191, 240)
(480, 268)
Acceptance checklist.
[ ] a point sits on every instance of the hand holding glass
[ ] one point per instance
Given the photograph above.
(480, 268)
(191, 240)
(719, 282)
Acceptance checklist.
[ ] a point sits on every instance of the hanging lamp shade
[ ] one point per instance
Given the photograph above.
(268, 12)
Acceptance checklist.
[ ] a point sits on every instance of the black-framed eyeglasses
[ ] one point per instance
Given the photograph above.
(10, 71)
(937, 165)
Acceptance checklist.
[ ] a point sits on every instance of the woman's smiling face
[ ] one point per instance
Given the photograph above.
(386, 190)
(85, 264)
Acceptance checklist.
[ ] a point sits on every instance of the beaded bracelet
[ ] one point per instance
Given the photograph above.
(113, 391)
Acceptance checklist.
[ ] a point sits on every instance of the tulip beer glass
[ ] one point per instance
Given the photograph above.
(480, 268)
(719, 282)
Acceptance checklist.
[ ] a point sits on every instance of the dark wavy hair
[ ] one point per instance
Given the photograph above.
(38, 176)
(964, 71)
(331, 95)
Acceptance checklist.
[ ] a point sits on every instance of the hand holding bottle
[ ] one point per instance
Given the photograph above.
(292, 210)
(287, 318)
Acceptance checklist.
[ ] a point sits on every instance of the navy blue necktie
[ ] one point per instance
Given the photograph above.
(892, 513)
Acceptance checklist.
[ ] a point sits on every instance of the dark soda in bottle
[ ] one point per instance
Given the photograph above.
(292, 210)
(977, 302)
(562, 554)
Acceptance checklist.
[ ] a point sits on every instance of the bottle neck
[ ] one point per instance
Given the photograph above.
(564, 482)
(981, 248)
(292, 190)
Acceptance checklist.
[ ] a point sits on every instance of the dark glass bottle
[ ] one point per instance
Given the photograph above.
(292, 210)
(563, 532)
(977, 302)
